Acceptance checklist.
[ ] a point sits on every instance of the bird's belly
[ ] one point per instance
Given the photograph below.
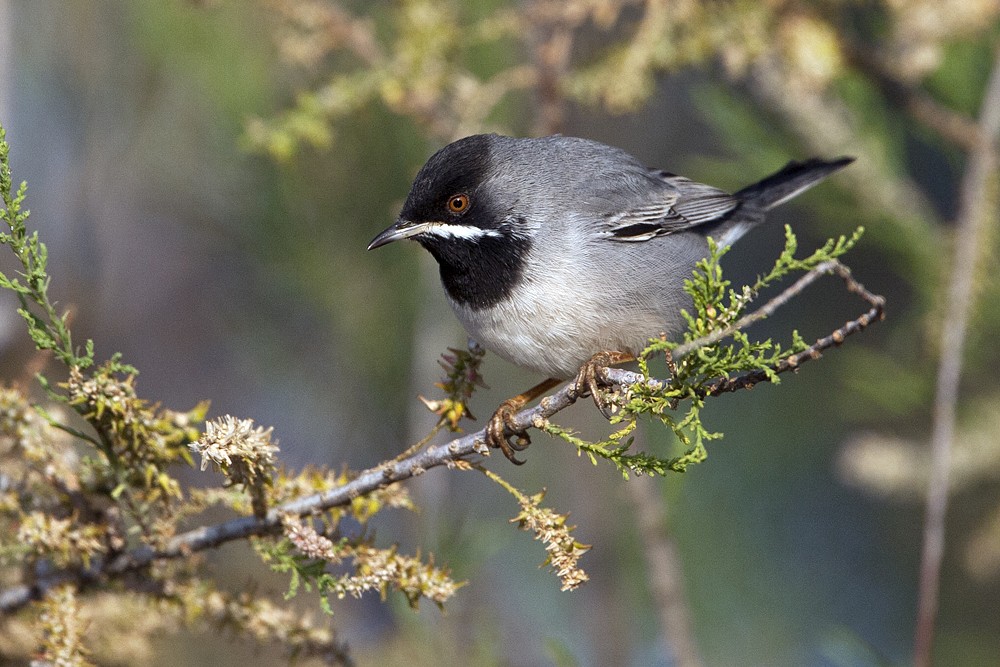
(554, 338)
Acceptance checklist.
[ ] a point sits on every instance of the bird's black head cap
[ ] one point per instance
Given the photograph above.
(477, 244)
(459, 168)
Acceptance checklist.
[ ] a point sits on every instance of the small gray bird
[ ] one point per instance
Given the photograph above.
(562, 254)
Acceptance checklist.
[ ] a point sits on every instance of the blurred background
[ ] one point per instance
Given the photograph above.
(207, 175)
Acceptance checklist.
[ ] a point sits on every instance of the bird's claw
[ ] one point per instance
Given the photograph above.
(588, 380)
(502, 422)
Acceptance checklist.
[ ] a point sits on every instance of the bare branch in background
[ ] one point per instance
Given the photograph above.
(665, 572)
(977, 211)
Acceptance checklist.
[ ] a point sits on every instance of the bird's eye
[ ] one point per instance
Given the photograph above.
(458, 203)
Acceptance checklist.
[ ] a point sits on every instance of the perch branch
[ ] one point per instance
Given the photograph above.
(446, 454)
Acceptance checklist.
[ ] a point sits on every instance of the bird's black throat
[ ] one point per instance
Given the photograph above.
(481, 272)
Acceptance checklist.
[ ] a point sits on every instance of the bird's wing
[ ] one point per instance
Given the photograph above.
(685, 205)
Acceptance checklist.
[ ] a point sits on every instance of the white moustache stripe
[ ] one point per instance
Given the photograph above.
(460, 231)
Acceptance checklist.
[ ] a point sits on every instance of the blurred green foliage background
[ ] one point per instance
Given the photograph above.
(208, 173)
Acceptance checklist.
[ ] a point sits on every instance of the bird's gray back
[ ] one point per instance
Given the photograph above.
(554, 174)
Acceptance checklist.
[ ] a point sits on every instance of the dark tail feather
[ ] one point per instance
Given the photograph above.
(793, 179)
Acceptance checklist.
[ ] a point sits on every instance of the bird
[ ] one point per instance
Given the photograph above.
(564, 255)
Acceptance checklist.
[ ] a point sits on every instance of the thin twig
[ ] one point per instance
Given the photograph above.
(876, 312)
(761, 313)
(976, 209)
(814, 351)
(446, 454)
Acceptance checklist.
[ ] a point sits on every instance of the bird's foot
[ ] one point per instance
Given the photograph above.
(588, 380)
(502, 423)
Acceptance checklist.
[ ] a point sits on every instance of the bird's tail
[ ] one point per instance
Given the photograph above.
(792, 180)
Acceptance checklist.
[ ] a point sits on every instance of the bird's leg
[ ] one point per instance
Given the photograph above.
(588, 382)
(502, 422)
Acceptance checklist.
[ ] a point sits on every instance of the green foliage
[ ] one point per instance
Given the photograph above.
(409, 57)
(455, 69)
(787, 262)
(303, 571)
(137, 442)
(306, 556)
(47, 327)
(66, 510)
(718, 313)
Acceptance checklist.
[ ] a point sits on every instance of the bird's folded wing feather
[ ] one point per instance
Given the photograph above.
(687, 204)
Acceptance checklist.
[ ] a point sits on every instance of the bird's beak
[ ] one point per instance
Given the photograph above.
(403, 229)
